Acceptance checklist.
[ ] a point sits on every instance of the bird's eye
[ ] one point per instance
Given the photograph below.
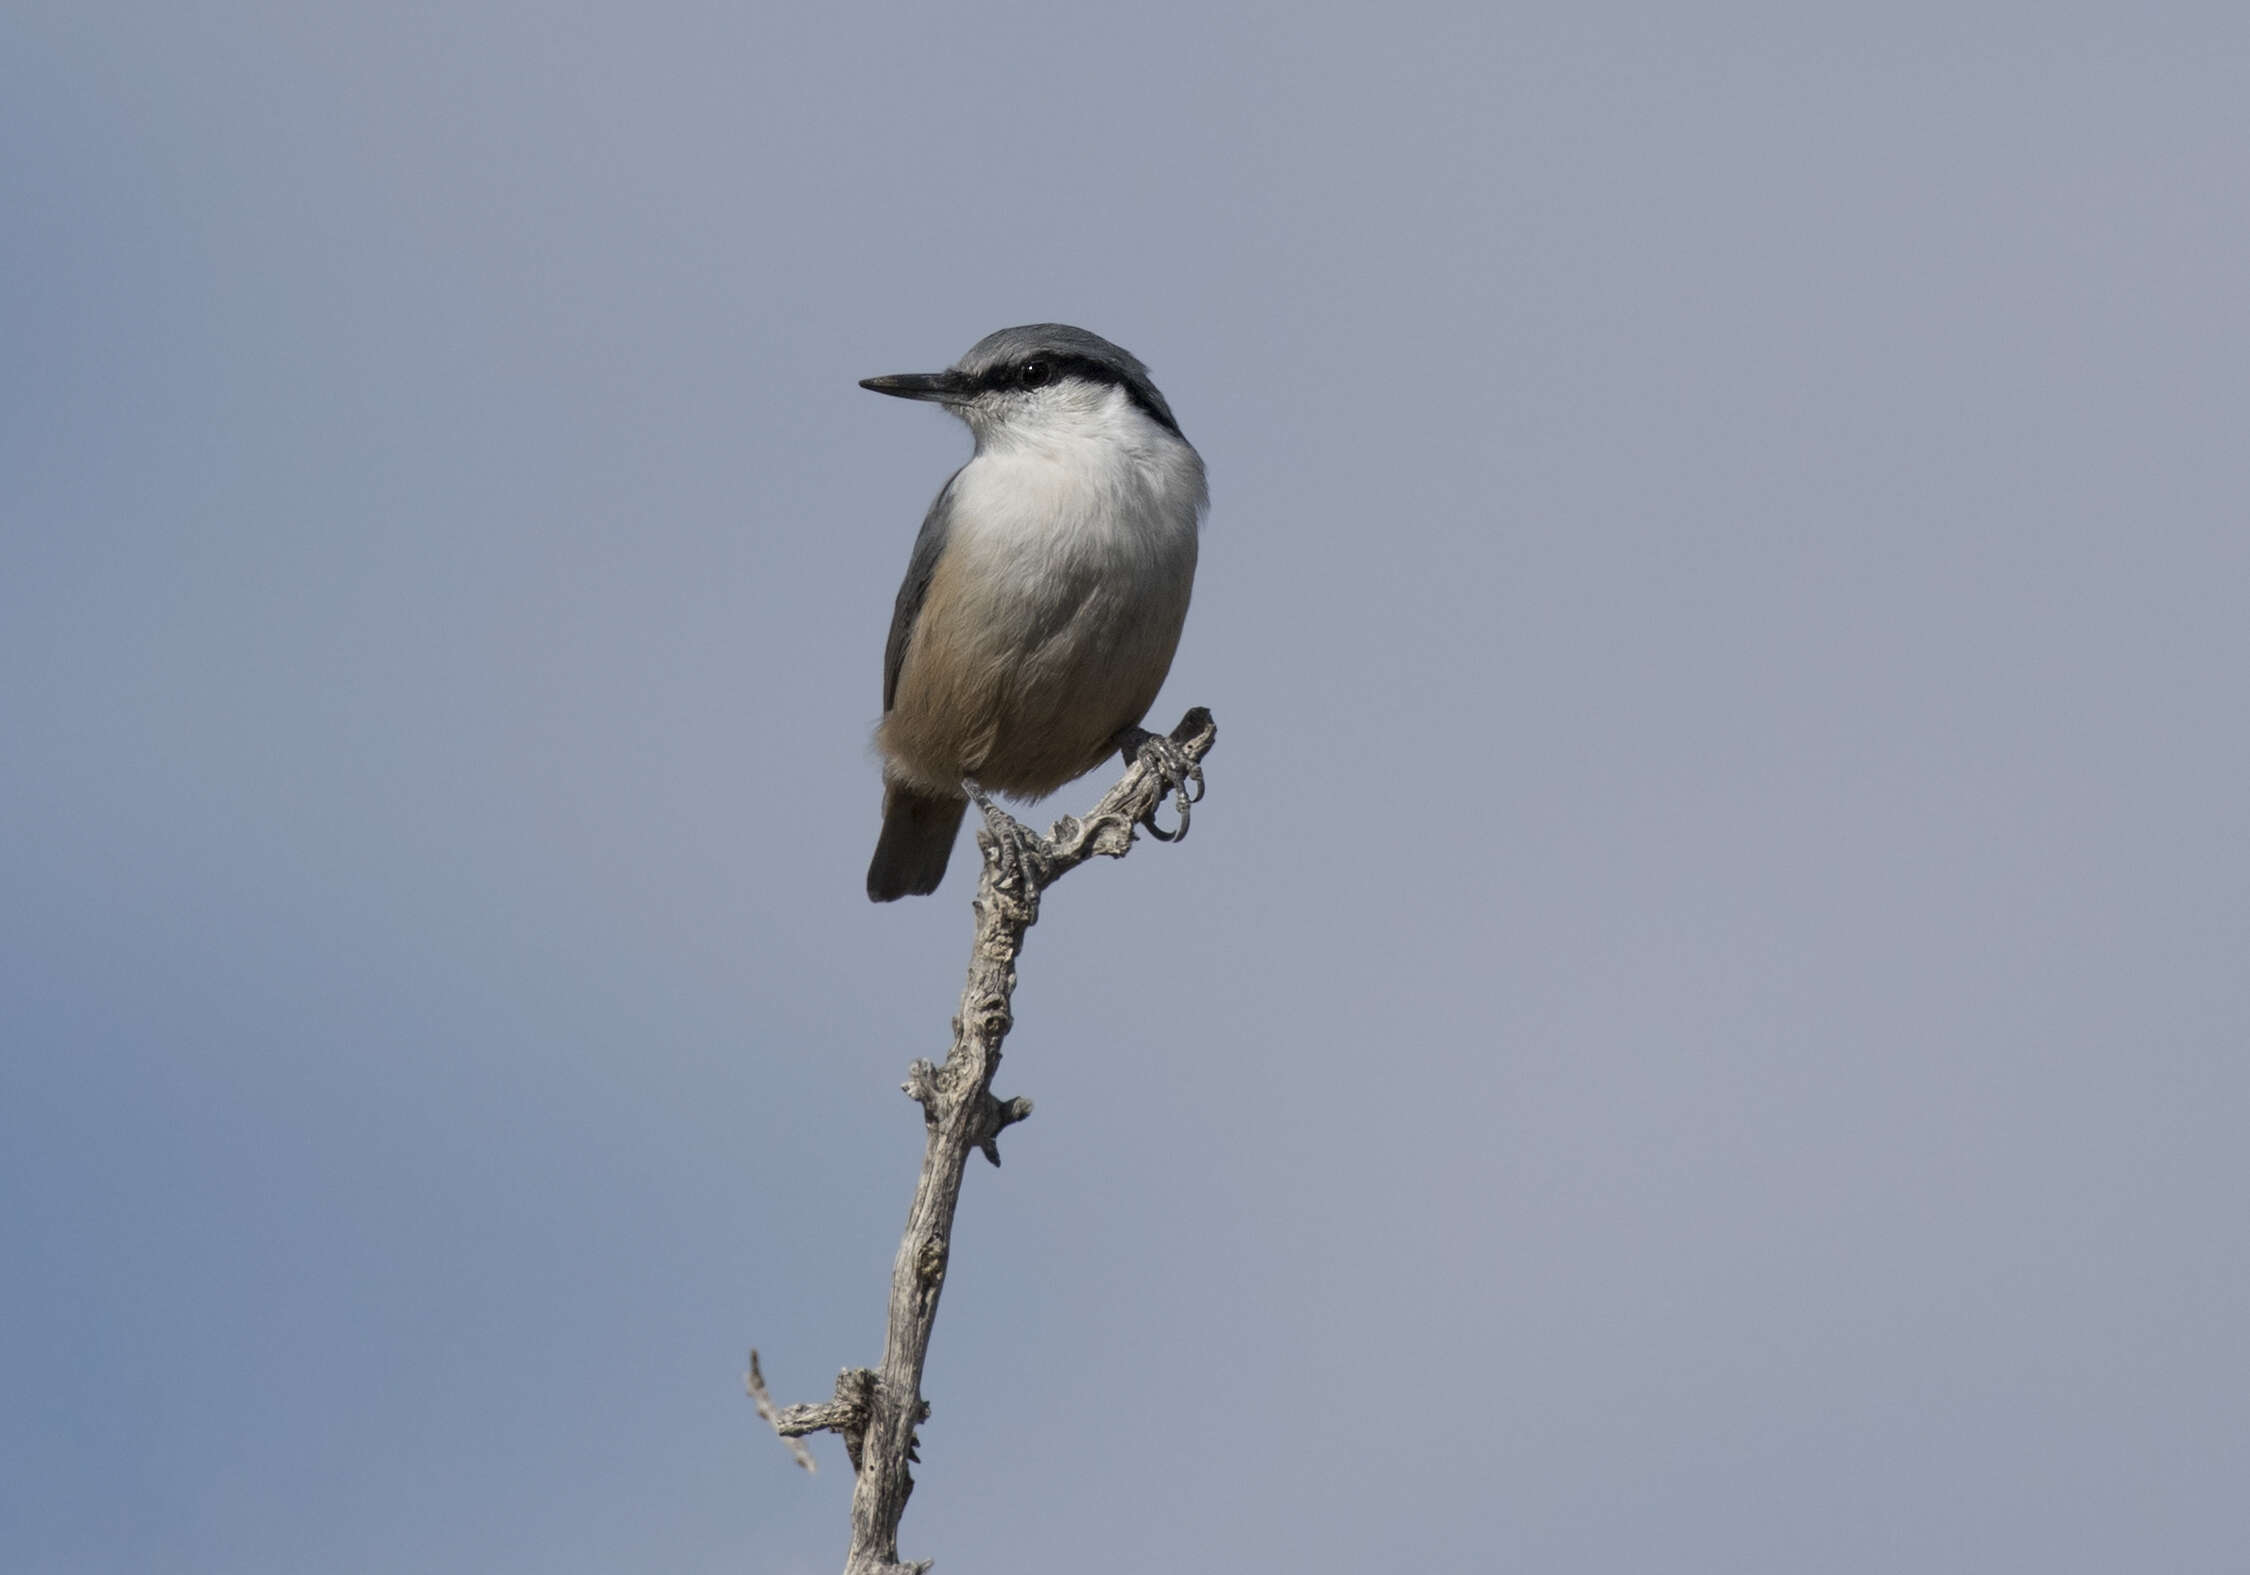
(1034, 374)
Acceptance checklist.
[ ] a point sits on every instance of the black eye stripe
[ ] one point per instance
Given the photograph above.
(1085, 368)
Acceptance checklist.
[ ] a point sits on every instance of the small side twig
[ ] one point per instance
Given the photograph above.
(755, 1382)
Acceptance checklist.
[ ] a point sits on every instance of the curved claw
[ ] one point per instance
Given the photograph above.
(1182, 779)
(1148, 821)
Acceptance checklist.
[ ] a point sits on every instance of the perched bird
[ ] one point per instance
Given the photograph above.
(1046, 592)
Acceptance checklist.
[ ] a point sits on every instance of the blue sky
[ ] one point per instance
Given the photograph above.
(1703, 1022)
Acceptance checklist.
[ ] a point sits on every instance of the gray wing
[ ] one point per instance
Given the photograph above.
(929, 546)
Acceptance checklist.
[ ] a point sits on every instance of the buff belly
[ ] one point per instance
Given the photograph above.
(1020, 675)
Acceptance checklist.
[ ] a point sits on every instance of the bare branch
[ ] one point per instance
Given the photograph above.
(878, 1411)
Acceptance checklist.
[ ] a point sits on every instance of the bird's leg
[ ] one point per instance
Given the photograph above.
(1181, 775)
(1024, 856)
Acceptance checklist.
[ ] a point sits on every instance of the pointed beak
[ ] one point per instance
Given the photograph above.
(944, 387)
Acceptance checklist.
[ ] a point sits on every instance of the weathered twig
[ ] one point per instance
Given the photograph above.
(755, 1382)
(877, 1411)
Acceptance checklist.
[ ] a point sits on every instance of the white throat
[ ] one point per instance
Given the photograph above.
(1072, 471)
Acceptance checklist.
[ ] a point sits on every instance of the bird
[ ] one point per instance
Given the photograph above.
(1046, 591)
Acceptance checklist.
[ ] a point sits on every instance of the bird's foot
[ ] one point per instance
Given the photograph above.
(1024, 857)
(1179, 772)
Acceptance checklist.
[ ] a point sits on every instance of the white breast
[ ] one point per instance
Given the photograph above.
(1101, 489)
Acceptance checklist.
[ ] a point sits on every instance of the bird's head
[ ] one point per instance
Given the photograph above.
(1041, 380)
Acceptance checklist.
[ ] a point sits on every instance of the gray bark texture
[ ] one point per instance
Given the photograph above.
(876, 1411)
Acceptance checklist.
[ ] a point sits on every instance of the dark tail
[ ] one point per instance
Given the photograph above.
(917, 839)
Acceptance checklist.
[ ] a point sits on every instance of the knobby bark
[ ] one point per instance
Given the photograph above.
(877, 1411)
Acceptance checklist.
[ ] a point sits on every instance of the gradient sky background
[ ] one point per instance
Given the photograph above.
(1704, 1025)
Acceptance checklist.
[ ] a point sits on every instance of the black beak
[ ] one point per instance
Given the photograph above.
(940, 386)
